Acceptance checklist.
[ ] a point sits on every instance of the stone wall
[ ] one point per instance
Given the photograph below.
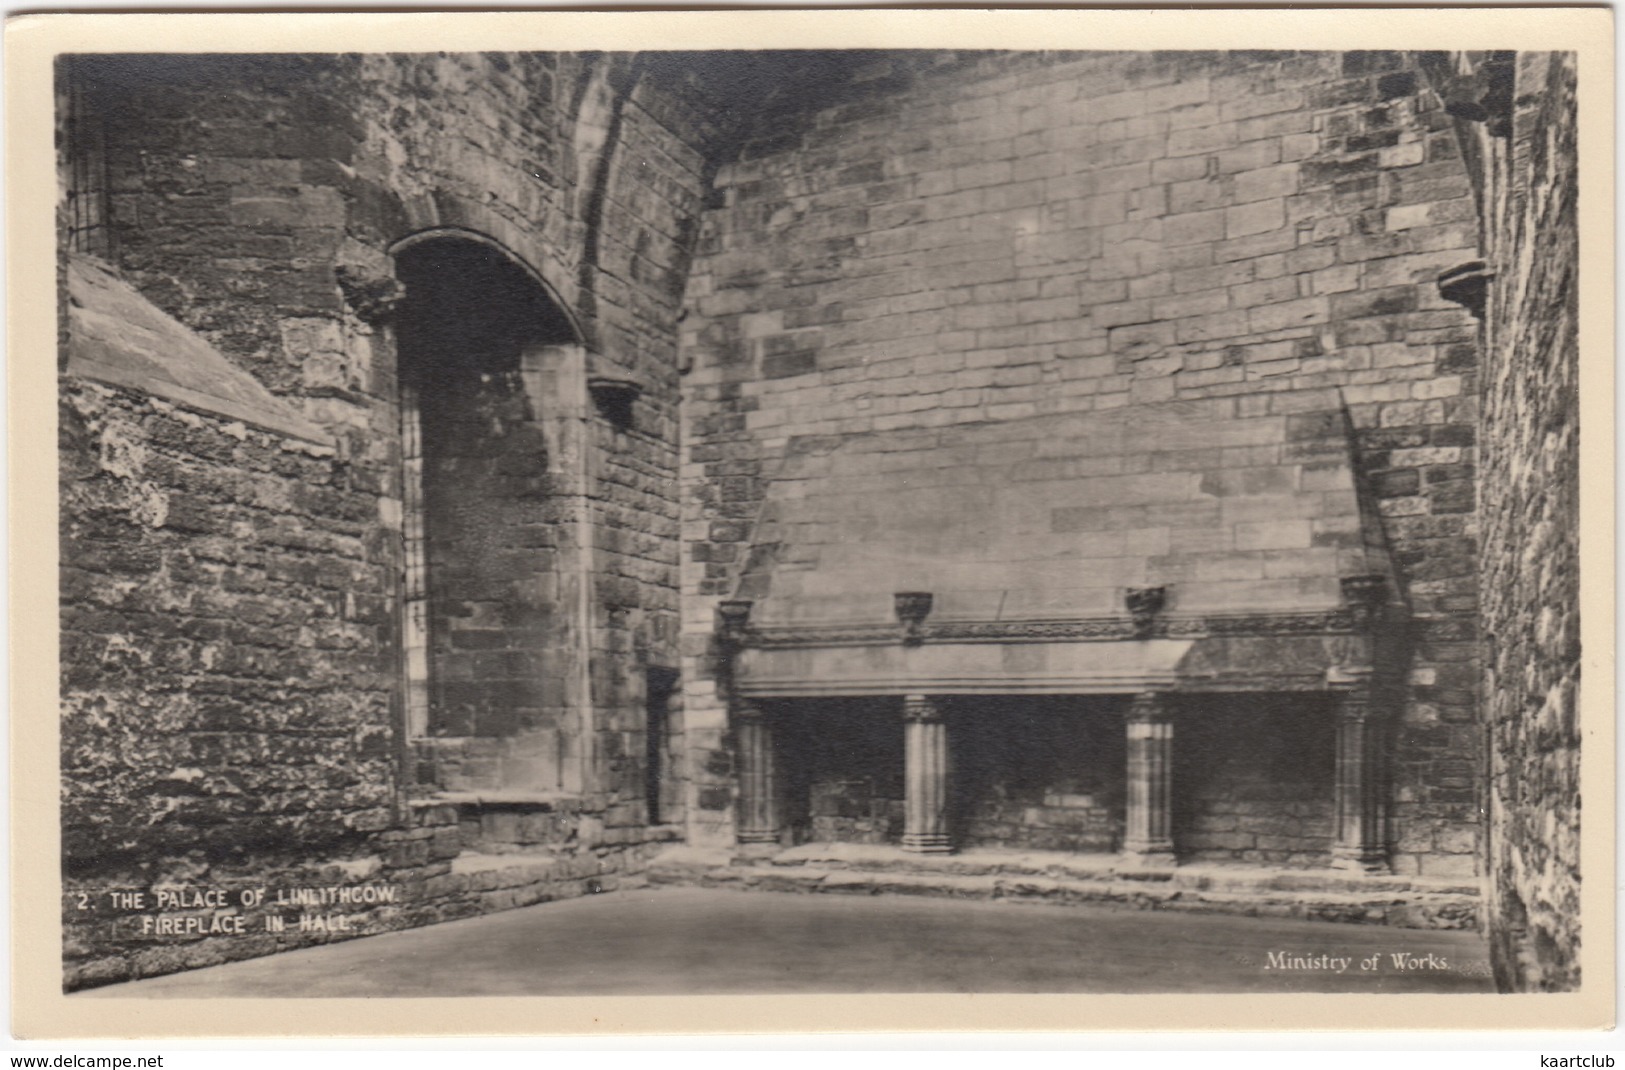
(1253, 780)
(271, 899)
(915, 253)
(231, 672)
(1037, 773)
(841, 768)
(979, 239)
(1530, 568)
(1253, 774)
(224, 686)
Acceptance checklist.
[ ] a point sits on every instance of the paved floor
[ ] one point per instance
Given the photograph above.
(668, 941)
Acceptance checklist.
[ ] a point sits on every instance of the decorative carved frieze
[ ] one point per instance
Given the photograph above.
(1099, 629)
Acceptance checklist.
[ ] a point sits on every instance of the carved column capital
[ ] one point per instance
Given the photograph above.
(1468, 285)
(749, 711)
(1365, 596)
(733, 617)
(921, 709)
(1148, 707)
(1355, 705)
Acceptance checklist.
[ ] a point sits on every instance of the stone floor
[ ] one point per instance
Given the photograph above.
(684, 940)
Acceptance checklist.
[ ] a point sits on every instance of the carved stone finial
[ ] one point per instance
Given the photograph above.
(614, 396)
(1468, 286)
(912, 607)
(372, 297)
(733, 615)
(1486, 95)
(1144, 604)
(1364, 596)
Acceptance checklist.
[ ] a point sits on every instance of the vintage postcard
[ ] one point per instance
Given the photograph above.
(811, 520)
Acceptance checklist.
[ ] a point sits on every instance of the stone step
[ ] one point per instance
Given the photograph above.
(1398, 902)
(553, 876)
(1215, 877)
(502, 822)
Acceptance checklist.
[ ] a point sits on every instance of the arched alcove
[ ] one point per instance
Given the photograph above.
(480, 514)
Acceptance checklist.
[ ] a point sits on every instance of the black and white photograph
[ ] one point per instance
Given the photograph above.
(798, 520)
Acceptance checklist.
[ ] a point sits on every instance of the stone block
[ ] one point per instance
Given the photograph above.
(1188, 228)
(1256, 218)
(1265, 183)
(1302, 312)
(1278, 535)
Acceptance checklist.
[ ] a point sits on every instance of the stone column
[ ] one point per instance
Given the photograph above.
(758, 809)
(1148, 837)
(1359, 787)
(925, 777)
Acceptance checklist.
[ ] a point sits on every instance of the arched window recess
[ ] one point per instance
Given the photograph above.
(493, 402)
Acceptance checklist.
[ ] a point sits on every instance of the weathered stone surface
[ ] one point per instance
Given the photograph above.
(1529, 573)
(1133, 249)
(850, 869)
(230, 617)
(1024, 330)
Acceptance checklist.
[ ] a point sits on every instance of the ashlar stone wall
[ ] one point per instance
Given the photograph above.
(970, 239)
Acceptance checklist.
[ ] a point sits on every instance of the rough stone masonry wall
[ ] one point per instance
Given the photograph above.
(602, 169)
(987, 237)
(228, 610)
(223, 687)
(1530, 568)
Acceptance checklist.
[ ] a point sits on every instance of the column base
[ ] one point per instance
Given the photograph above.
(758, 851)
(1150, 856)
(758, 836)
(927, 844)
(1358, 861)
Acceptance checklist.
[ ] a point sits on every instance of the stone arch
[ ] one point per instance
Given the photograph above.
(443, 212)
(483, 527)
(443, 234)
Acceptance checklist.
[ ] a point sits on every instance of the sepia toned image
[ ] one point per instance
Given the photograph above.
(796, 521)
